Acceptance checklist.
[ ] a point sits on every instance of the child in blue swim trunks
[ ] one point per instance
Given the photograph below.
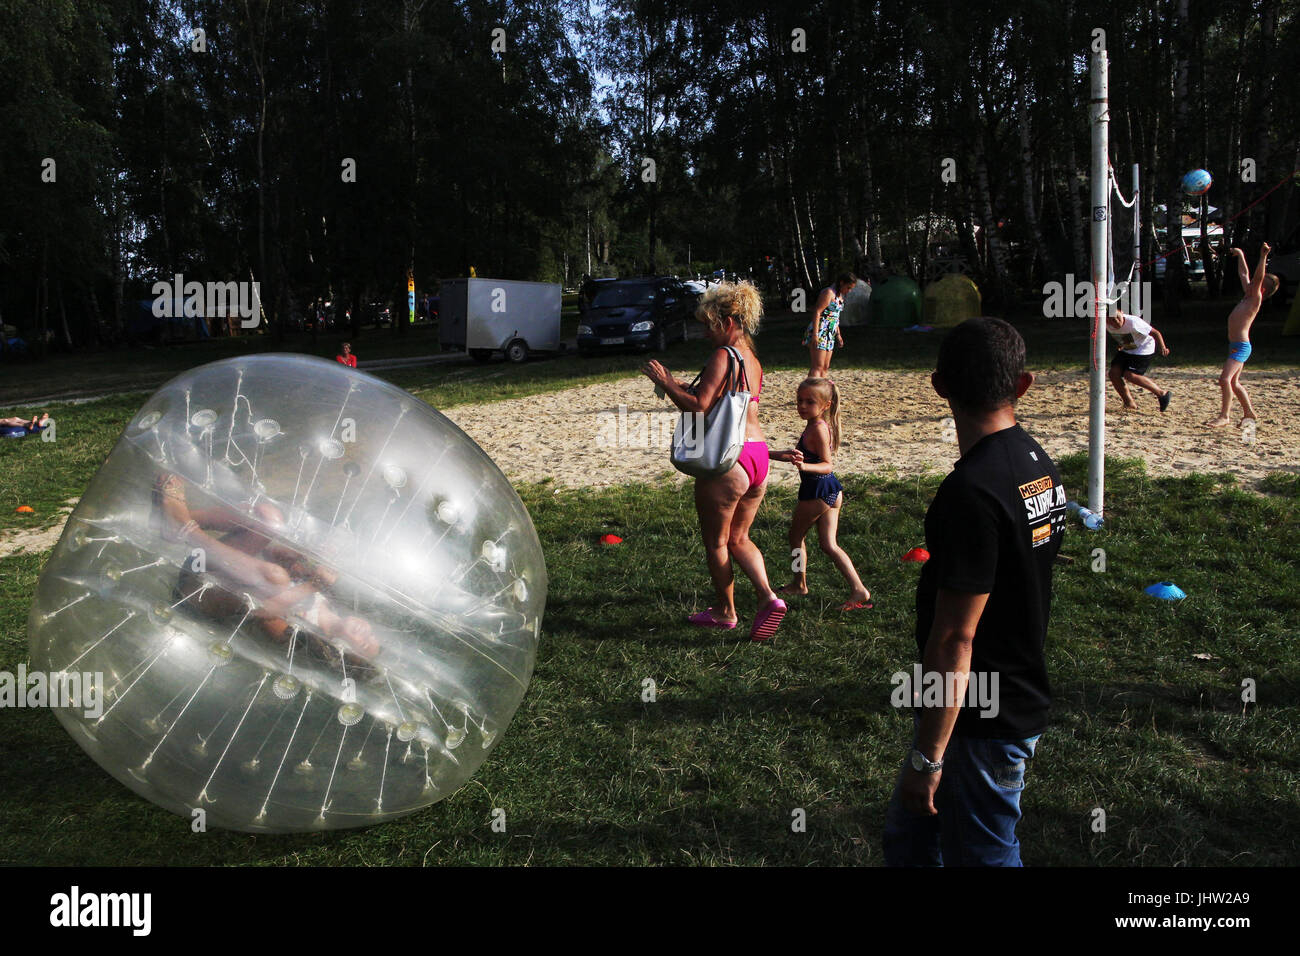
(820, 492)
(1256, 289)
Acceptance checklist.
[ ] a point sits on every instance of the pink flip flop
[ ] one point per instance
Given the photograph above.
(768, 620)
(857, 606)
(705, 618)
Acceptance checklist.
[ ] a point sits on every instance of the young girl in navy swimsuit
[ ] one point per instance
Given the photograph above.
(820, 492)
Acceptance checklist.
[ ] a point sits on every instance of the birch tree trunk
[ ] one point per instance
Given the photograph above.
(997, 265)
(1076, 211)
(410, 19)
(812, 242)
(42, 299)
(257, 50)
(1175, 275)
(1263, 94)
(872, 211)
(1027, 184)
(1236, 139)
(841, 201)
(774, 187)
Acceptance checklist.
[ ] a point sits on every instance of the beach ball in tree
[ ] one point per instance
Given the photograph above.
(1197, 182)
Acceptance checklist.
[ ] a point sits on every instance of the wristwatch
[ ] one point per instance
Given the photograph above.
(923, 764)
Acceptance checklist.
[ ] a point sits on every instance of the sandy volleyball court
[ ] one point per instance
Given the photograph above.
(615, 432)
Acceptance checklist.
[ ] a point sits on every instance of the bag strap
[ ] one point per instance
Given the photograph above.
(739, 377)
(733, 356)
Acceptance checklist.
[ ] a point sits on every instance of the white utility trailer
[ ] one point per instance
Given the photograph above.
(484, 316)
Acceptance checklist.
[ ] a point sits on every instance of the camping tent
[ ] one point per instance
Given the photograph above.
(950, 301)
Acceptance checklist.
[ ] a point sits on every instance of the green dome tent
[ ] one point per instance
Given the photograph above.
(895, 303)
(951, 301)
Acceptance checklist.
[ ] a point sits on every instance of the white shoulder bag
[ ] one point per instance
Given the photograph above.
(707, 446)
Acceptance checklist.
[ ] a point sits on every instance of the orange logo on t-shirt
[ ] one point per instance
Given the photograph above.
(1035, 487)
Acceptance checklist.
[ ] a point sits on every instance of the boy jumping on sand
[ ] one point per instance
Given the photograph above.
(1256, 289)
(1137, 344)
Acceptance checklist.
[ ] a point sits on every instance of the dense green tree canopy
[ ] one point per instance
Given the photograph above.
(325, 148)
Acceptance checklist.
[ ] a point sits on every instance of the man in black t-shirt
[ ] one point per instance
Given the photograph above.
(982, 604)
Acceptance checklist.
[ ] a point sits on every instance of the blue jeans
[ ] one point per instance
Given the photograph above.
(979, 806)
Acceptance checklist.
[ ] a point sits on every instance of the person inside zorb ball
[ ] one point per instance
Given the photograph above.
(271, 583)
(306, 599)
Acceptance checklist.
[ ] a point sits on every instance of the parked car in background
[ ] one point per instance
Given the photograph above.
(319, 316)
(588, 289)
(378, 312)
(645, 313)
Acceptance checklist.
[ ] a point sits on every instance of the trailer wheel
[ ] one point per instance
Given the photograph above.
(517, 351)
(480, 355)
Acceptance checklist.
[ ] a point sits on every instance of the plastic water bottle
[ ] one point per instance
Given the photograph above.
(1091, 520)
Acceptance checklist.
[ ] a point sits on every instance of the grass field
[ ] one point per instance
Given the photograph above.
(740, 735)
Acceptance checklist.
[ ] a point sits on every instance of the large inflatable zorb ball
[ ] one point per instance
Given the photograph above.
(303, 598)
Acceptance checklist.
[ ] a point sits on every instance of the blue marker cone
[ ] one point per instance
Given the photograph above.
(1166, 591)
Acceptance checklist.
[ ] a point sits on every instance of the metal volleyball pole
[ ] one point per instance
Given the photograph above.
(1098, 119)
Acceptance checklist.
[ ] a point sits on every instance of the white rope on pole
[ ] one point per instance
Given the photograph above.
(1115, 291)
(1127, 204)
(1110, 247)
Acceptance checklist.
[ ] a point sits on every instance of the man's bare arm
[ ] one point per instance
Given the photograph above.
(948, 651)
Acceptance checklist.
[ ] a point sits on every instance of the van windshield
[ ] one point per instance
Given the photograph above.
(624, 294)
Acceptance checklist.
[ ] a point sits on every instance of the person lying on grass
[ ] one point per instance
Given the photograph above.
(33, 425)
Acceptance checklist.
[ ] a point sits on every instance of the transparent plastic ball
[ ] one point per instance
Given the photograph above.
(301, 599)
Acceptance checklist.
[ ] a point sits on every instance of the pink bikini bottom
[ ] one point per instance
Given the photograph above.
(753, 458)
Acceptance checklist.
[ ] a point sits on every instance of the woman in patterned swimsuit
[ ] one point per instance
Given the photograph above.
(823, 332)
